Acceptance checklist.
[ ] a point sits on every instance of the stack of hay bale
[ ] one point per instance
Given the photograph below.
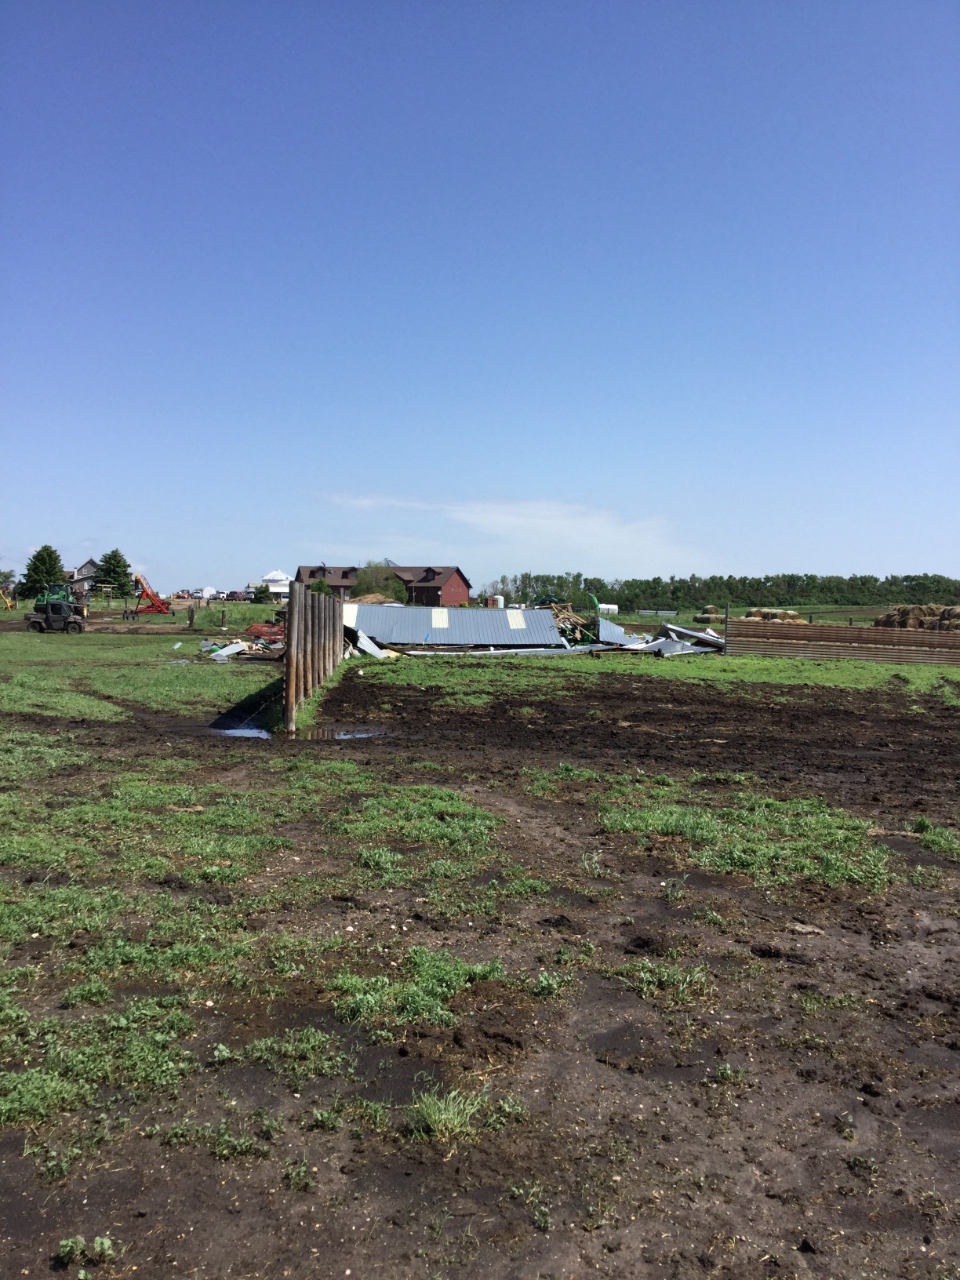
(921, 617)
(709, 613)
(772, 615)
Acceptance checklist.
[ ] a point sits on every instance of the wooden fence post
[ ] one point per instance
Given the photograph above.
(290, 666)
(319, 656)
(314, 638)
(307, 642)
(301, 642)
(324, 631)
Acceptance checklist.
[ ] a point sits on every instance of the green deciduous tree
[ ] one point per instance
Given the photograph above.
(113, 570)
(378, 578)
(44, 569)
(776, 590)
(261, 594)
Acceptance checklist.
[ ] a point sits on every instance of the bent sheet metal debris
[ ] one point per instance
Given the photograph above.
(519, 631)
(672, 640)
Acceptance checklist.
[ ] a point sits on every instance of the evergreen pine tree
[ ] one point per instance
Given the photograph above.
(44, 568)
(113, 570)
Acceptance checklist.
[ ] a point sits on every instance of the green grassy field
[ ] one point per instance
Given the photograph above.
(90, 676)
(206, 619)
(100, 677)
(471, 680)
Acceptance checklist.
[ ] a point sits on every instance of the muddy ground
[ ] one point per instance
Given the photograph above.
(802, 1120)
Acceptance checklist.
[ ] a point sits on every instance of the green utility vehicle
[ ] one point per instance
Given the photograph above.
(55, 610)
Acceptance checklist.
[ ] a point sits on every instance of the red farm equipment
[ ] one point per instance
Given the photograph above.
(153, 602)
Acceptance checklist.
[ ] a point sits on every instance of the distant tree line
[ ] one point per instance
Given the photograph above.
(775, 590)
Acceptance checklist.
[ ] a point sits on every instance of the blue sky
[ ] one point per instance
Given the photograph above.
(625, 288)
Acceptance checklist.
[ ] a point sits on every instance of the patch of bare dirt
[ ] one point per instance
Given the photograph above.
(802, 1119)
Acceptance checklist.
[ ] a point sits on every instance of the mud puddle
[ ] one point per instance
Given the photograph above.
(340, 732)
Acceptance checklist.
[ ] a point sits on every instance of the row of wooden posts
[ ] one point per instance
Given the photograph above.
(314, 646)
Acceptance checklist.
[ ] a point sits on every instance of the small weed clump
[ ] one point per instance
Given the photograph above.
(547, 985)
(329, 1120)
(432, 979)
(926, 877)
(678, 983)
(864, 1167)
(384, 860)
(707, 915)
(813, 1003)
(674, 890)
(228, 1145)
(938, 839)
(297, 1176)
(298, 1056)
(507, 1110)
(445, 1115)
(845, 1125)
(75, 1249)
(727, 1074)
(533, 1194)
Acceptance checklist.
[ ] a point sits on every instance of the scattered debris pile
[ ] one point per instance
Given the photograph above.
(921, 617)
(709, 613)
(772, 615)
(574, 629)
(257, 647)
(358, 642)
(271, 632)
(671, 640)
(374, 597)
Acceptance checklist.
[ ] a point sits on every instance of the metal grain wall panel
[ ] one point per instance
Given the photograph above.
(742, 646)
(459, 628)
(886, 637)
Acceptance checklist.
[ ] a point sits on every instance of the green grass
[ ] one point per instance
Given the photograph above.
(676, 983)
(37, 755)
(446, 1115)
(85, 677)
(60, 1065)
(422, 994)
(475, 681)
(938, 839)
(774, 841)
(436, 815)
(301, 1055)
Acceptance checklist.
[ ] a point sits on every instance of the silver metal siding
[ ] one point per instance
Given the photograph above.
(413, 624)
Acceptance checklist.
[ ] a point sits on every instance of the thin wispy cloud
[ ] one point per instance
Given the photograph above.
(493, 537)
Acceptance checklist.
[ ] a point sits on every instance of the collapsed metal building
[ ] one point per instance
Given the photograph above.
(504, 629)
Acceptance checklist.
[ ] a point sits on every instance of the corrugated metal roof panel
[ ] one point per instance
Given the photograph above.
(415, 624)
(610, 633)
